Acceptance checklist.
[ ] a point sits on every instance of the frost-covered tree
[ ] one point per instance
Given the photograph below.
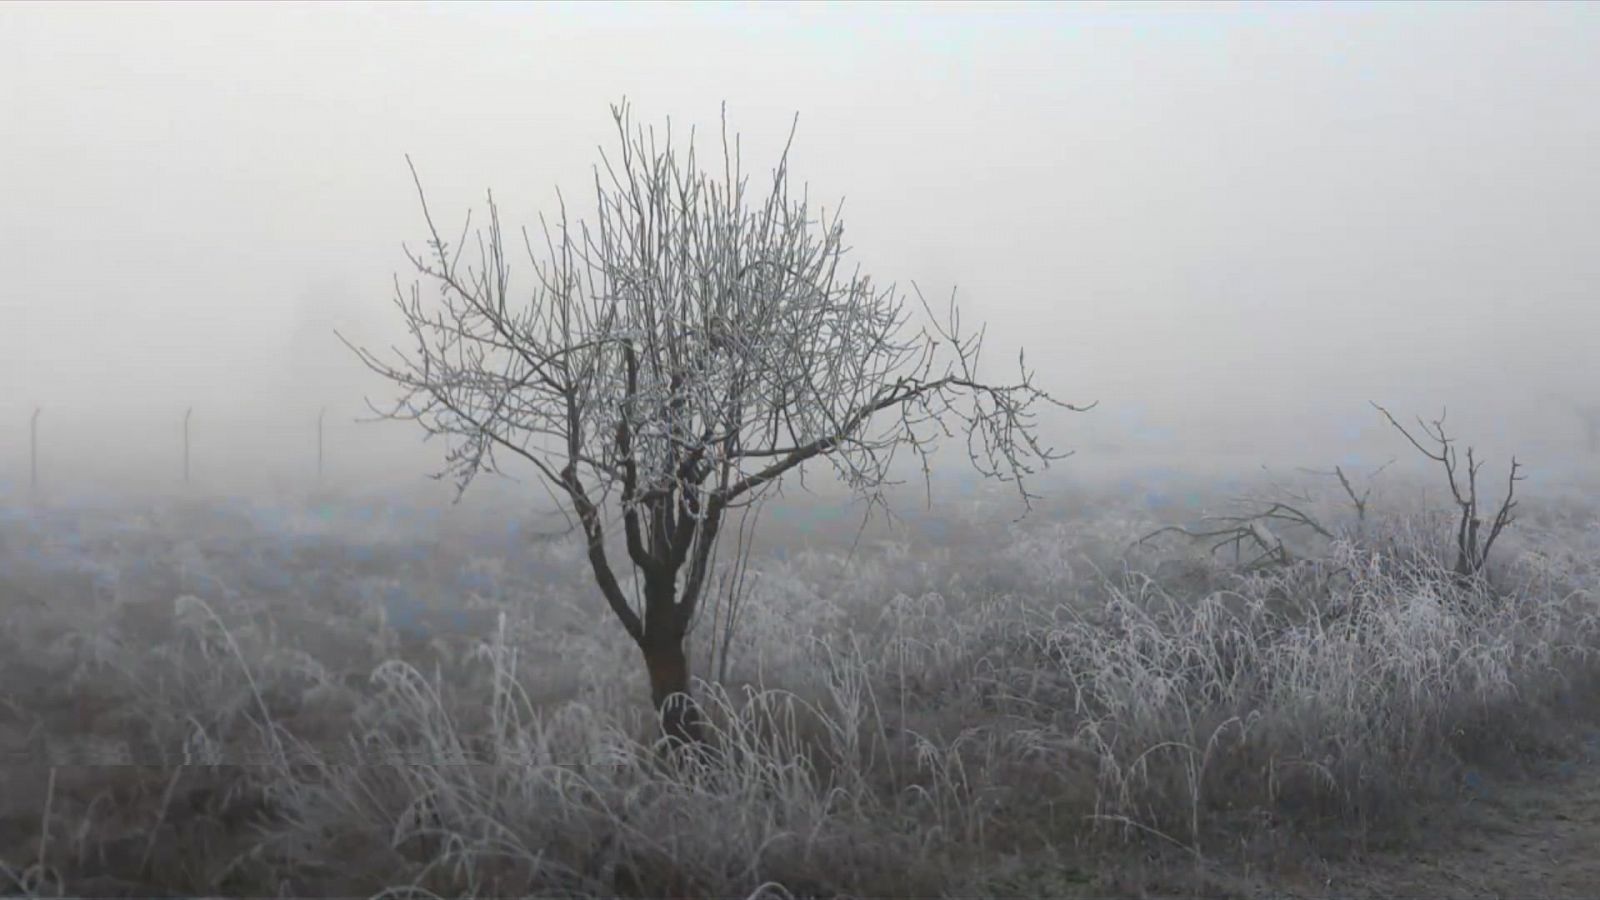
(674, 358)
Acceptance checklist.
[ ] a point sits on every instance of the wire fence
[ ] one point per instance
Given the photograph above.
(67, 449)
(72, 450)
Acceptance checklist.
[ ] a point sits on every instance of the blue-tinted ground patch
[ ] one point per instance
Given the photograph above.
(1559, 473)
(1159, 488)
(475, 581)
(813, 518)
(512, 538)
(252, 549)
(411, 614)
(1354, 462)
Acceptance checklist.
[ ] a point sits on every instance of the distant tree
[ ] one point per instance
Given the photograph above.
(674, 359)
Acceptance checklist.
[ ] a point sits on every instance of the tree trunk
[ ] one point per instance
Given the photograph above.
(668, 664)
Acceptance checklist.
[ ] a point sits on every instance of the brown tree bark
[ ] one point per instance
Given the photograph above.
(666, 661)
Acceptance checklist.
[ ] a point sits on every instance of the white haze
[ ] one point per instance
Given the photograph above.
(1232, 225)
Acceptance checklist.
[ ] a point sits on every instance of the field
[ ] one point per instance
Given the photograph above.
(351, 697)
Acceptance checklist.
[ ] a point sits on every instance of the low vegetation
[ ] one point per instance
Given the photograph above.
(347, 700)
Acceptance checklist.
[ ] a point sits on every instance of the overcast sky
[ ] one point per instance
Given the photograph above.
(1230, 224)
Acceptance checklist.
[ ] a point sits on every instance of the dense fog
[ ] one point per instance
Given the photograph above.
(1231, 225)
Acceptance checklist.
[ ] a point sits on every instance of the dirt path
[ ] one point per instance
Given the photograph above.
(1532, 839)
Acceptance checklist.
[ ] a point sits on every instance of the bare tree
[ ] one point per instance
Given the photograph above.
(1472, 544)
(674, 359)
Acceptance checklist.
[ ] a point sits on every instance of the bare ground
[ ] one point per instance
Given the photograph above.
(1536, 836)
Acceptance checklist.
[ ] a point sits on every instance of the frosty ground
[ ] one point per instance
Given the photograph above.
(348, 696)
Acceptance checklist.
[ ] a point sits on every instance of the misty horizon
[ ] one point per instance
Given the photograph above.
(1230, 225)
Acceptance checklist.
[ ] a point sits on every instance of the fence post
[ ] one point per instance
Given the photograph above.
(320, 414)
(186, 414)
(33, 451)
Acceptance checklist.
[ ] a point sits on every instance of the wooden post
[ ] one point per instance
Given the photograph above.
(33, 451)
(320, 414)
(186, 414)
